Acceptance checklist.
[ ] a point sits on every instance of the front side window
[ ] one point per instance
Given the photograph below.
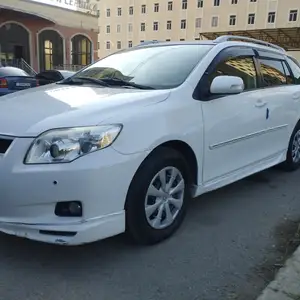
(272, 72)
(242, 67)
(150, 66)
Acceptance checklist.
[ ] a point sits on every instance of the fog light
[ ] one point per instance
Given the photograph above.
(68, 209)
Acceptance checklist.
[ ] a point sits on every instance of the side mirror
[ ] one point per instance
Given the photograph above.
(227, 85)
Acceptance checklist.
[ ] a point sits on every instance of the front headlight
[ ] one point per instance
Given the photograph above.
(66, 144)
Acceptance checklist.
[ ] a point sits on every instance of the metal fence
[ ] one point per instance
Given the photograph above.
(67, 67)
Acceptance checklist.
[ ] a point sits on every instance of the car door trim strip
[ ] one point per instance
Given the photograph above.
(247, 136)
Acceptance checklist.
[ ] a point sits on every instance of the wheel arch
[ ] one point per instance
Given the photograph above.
(185, 150)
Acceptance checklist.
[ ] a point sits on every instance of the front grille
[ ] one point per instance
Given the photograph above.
(4, 144)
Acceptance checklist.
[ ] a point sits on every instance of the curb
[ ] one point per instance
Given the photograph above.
(286, 285)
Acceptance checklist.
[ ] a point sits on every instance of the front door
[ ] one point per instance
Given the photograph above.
(232, 133)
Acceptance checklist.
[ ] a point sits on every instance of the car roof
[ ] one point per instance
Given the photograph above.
(258, 44)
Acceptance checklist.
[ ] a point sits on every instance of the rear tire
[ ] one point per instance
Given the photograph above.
(157, 198)
(292, 162)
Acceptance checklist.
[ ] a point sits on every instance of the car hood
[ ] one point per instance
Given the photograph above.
(32, 111)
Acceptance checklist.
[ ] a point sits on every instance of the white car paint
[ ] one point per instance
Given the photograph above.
(217, 132)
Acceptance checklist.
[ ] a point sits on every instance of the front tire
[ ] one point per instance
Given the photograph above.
(292, 162)
(157, 198)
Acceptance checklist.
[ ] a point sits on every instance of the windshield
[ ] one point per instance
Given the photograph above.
(160, 67)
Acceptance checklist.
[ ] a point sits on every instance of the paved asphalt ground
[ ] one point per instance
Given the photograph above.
(226, 235)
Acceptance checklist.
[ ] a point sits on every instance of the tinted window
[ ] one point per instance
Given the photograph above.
(272, 72)
(288, 75)
(242, 67)
(295, 69)
(10, 71)
(160, 67)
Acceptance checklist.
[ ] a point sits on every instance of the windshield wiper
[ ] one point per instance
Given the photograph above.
(81, 80)
(124, 83)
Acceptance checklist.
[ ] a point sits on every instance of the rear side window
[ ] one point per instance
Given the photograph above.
(272, 72)
(295, 69)
(289, 76)
(10, 71)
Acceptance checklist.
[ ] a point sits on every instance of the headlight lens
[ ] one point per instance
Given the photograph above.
(66, 144)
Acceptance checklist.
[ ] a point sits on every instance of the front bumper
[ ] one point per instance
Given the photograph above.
(29, 194)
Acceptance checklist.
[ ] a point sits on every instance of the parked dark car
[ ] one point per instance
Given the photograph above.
(14, 79)
(51, 76)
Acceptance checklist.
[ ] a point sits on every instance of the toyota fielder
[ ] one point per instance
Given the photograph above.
(123, 144)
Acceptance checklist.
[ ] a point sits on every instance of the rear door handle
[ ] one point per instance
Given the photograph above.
(260, 103)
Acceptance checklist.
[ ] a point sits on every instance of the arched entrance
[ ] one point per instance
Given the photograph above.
(51, 49)
(14, 42)
(81, 50)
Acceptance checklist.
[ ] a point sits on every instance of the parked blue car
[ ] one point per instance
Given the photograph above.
(14, 79)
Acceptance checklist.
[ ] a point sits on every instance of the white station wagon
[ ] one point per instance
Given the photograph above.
(123, 144)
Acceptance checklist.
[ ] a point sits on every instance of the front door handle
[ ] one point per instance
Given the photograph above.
(260, 103)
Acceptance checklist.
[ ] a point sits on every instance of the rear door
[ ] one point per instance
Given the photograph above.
(278, 101)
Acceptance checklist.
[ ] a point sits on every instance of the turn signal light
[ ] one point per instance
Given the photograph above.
(3, 83)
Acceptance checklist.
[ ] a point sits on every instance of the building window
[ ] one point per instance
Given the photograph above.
(108, 29)
(48, 52)
(98, 45)
(119, 11)
(156, 7)
(183, 24)
(81, 50)
(131, 10)
(200, 3)
(168, 40)
(170, 5)
(214, 21)
(253, 0)
(108, 45)
(143, 9)
(118, 28)
(182, 40)
(198, 22)
(271, 17)
(108, 12)
(143, 26)
(216, 2)
(184, 4)
(251, 19)
(130, 27)
(232, 20)
(129, 44)
(98, 13)
(119, 46)
(293, 15)
(155, 26)
(169, 25)
(142, 41)
(234, 1)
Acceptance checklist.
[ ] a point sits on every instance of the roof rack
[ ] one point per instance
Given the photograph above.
(226, 38)
(148, 43)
